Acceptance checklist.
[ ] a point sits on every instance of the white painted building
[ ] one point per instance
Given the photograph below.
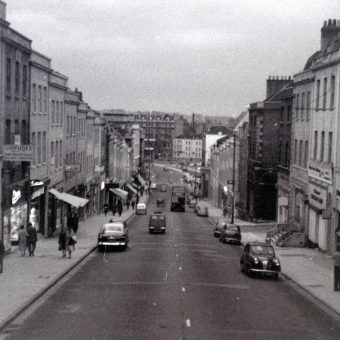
(187, 149)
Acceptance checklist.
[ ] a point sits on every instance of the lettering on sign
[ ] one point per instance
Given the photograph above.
(17, 153)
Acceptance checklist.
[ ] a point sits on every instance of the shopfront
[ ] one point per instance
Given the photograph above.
(14, 213)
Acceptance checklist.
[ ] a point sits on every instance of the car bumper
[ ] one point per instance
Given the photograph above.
(264, 271)
(232, 240)
(217, 233)
(113, 244)
(141, 212)
(157, 229)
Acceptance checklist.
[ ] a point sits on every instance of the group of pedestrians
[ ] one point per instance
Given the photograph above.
(27, 239)
(67, 242)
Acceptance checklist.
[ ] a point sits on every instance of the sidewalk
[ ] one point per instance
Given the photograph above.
(310, 269)
(24, 279)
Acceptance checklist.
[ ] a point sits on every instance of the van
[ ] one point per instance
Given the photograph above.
(157, 223)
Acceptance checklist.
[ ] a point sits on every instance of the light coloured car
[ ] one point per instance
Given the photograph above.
(202, 210)
(141, 209)
(219, 226)
(153, 186)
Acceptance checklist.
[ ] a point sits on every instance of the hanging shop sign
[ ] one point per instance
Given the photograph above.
(17, 153)
(99, 168)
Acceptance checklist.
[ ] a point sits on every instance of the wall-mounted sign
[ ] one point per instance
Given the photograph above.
(99, 168)
(102, 185)
(72, 168)
(320, 172)
(16, 194)
(17, 153)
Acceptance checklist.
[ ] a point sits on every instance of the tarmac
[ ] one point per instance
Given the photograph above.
(25, 279)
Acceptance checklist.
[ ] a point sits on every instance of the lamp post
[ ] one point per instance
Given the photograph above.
(233, 199)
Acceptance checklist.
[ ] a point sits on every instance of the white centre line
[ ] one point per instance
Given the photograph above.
(183, 289)
(176, 255)
(188, 323)
(180, 268)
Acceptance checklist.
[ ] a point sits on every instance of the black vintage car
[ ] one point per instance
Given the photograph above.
(113, 234)
(260, 257)
(219, 226)
(160, 202)
(230, 233)
(157, 223)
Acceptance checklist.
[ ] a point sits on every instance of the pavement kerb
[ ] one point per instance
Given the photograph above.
(311, 294)
(44, 290)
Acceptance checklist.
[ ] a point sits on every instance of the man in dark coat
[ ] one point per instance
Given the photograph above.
(31, 239)
(119, 207)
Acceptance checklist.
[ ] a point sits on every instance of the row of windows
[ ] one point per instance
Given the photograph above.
(39, 99)
(322, 151)
(70, 159)
(71, 127)
(17, 76)
(301, 151)
(302, 105)
(325, 91)
(284, 155)
(57, 112)
(39, 142)
(16, 134)
(56, 156)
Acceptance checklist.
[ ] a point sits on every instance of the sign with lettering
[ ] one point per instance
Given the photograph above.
(323, 172)
(16, 194)
(17, 153)
(72, 168)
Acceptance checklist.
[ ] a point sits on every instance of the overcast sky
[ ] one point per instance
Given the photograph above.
(204, 56)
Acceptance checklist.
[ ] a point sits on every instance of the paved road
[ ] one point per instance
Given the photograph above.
(181, 285)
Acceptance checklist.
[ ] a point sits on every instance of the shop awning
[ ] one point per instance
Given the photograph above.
(131, 188)
(75, 201)
(141, 180)
(119, 192)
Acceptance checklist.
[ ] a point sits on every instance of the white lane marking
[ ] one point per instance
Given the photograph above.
(180, 268)
(188, 323)
(166, 276)
(176, 255)
(183, 289)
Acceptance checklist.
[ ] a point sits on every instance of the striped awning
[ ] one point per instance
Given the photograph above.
(75, 201)
(119, 192)
(131, 188)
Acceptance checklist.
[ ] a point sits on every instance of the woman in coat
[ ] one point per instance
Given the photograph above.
(63, 241)
(71, 243)
(22, 235)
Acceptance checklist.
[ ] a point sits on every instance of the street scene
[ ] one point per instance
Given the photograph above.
(169, 169)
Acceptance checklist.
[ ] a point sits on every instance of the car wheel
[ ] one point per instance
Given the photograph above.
(242, 268)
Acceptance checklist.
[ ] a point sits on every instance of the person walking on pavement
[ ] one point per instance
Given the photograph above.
(75, 222)
(127, 205)
(120, 207)
(114, 209)
(22, 235)
(62, 241)
(137, 200)
(31, 239)
(71, 243)
(133, 204)
(2, 254)
(106, 208)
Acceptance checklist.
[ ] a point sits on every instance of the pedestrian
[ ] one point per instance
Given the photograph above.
(2, 254)
(75, 222)
(133, 204)
(71, 244)
(142, 190)
(127, 205)
(137, 199)
(31, 239)
(119, 207)
(62, 241)
(106, 208)
(114, 209)
(22, 235)
(336, 271)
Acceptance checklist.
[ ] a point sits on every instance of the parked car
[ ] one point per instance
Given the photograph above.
(153, 186)
(160, 202)
(219, 226)
(197, 206)
(189, 198)
(202, 210)
(230, 233)
(163, 188)
(141, 209)
(258, 257)
(157, 223)
(114, 234)
(192, 203)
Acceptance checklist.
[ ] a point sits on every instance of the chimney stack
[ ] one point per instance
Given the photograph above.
(329, 30)
(276, 84)
(2, 11)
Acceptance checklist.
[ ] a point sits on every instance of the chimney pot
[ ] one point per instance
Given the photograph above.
(334, 22)
(329, 22)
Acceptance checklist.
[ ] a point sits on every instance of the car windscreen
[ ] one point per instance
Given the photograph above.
(232, 227)
(262, 250)
(157, 217)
